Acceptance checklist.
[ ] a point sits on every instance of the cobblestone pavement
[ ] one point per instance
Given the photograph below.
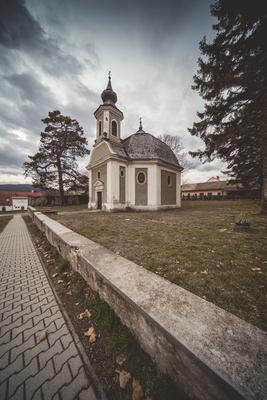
(30, 368)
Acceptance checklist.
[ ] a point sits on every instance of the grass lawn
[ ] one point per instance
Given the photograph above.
(195, 247)
(4, 220)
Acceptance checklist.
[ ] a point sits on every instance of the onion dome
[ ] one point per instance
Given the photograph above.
(108, 95)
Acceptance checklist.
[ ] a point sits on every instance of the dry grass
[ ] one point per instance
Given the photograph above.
(74, 207)
(195, 247)
(4, 220)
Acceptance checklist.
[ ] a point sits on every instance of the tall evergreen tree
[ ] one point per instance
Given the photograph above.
(54, 166)
(232, 79)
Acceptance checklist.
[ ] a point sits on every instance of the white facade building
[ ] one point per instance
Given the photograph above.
(140, 172)
(19, 203)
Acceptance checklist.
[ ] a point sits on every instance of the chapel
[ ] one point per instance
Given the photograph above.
(139, 172)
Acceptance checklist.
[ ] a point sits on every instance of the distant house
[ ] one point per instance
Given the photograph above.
(217, 189)
(18, 201)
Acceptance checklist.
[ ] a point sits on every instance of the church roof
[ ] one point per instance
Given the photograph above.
(118, 149)
(144, 146)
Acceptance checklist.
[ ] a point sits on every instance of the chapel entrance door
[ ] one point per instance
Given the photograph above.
(99, 200)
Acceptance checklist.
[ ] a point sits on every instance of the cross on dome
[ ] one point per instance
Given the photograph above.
(140, 130)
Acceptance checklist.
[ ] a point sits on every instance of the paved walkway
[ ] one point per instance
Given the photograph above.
(30, 368)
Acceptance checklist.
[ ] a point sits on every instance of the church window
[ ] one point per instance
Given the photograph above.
(122, 173)
(98, 175)
(141, 178)
(99, 128)
(169, 180)
(114, 128)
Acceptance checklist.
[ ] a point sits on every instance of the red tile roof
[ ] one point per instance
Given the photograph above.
(5, 197)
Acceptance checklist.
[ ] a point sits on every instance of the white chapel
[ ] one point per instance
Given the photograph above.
(139, 172)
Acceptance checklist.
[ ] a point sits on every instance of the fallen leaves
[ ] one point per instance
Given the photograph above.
(42, 335)
(204, 272)
(85, 314)
(60, 281)
(120, 359)
(137, 390)
(257, 269)
(55, 275)
(90, 333)
(124, 377)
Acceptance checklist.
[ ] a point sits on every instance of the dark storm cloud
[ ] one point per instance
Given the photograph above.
(30, 89)
(26, 101)
(11, 159)
(54, 54)
(20, 31)
(17, 27)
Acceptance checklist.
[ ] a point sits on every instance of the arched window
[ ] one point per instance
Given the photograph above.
(114, 128)
(99, 128)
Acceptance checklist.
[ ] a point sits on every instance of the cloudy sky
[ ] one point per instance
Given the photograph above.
(56, 54)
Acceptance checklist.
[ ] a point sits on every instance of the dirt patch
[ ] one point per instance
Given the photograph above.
(197, 247)
(115, 349)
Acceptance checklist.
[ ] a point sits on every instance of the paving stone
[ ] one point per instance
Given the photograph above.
(75, 364)
(12, 369)
(30, 369)
(19, 394)
(10, 345)
(87, 394)
(39, 347)
(3, 390)
(34, 383)
(22, 328)
(66, 355)
(4, 361)
(78, 383)
(10, 326)
(52, 352)
(25, 346)
(49, 388)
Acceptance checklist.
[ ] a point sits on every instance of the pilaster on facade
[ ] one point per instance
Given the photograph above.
(90, 188)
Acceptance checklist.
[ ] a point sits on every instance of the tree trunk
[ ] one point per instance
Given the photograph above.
(264, 163)
(264, 178)
(60, 183)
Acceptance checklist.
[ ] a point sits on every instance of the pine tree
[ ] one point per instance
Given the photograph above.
(232, 80)
(54, 166)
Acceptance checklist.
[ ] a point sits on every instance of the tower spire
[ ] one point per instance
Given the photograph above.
(108, 95)
(109, 87)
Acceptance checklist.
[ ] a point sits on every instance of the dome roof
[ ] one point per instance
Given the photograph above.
(144, 146)
(108, 95)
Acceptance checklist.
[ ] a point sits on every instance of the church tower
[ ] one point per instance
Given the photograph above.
(108, 116)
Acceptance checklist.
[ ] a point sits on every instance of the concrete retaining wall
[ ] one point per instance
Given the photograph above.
(210, 353)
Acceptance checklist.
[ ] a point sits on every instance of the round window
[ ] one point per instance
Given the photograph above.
(141, 177)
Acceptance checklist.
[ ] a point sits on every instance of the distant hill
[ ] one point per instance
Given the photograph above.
(20, 187)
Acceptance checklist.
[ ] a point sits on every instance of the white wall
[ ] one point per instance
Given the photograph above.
(19, 202)
(90, 188)
(7, 208)
(113, 184)
(154, 185)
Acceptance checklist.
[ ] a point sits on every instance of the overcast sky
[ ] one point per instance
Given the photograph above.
(56, 54)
